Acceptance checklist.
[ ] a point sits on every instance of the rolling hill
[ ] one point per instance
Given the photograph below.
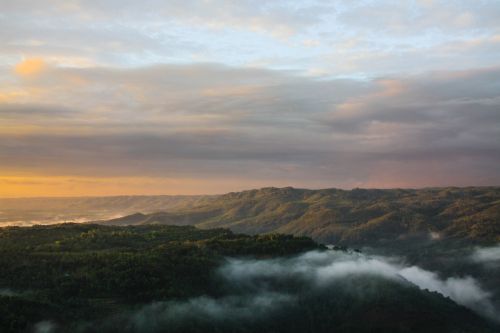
(358, 216)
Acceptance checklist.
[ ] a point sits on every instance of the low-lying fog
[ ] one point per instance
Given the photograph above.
(487, 255)
(256, 290)
(13, 220)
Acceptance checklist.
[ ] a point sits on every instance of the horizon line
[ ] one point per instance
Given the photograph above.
(252, 189)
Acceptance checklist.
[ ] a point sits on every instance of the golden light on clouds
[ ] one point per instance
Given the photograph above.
(34, 186)
(11, 96)
(30, 67)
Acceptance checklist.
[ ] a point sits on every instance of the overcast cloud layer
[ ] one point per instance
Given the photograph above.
(231, 95)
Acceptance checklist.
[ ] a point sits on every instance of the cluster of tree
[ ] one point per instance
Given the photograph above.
(98, 278)
(91, 270)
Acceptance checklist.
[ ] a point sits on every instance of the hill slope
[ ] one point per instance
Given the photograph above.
(358, 216)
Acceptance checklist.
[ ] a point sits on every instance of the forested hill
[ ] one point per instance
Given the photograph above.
(345, 216)
(71, 272)
(329, 215)
(134, 279)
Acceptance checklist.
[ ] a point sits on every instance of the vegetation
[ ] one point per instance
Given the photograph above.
(356, 217)
(95, 278)
(80, 271)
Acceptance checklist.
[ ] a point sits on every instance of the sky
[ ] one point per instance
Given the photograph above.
(198, 97)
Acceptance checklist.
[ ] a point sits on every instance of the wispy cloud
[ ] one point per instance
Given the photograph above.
(487, 255)
(350, 38)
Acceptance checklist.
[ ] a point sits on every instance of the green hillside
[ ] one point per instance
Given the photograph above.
(359, 216)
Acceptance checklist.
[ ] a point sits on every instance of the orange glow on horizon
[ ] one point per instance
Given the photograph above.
(67, 186)
(61, 186)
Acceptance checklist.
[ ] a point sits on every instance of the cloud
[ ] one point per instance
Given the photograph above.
(323, 268)
(213, 121)
(30, 67)
(231, 310)
(8, 292)
(45, 327)
(278, 17)
(465, 291)
(488, 255)
(312, 36)
(405, 18)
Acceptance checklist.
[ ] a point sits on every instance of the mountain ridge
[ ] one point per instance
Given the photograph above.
(345, 216)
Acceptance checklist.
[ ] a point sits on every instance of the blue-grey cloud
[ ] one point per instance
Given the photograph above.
(356, 38)
(212, 120)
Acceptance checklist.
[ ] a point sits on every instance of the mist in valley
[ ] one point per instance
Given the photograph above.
(290, 294)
